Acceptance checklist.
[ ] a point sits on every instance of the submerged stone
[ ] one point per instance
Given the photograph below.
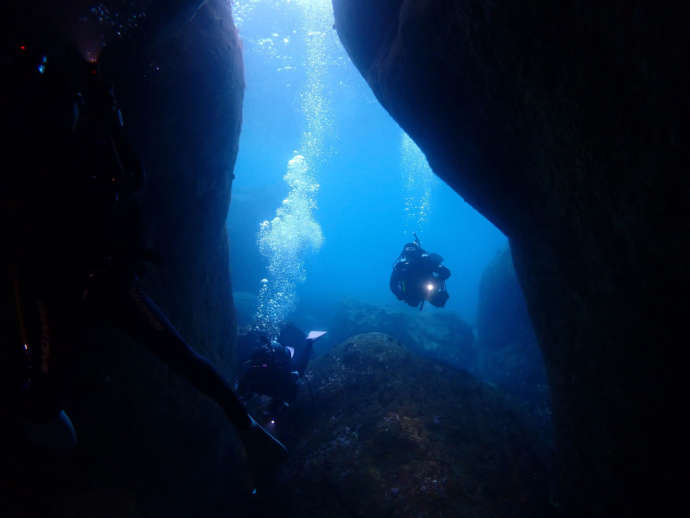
(381, 431)
(440, 335)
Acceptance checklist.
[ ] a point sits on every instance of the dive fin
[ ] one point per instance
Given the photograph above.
(315, 335)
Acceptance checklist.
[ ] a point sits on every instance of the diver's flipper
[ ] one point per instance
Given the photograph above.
(315, 335)
(264, 451)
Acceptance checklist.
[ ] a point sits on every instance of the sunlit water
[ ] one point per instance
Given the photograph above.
(357, 189)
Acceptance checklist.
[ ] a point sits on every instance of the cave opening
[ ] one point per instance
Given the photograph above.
(317, 250)
(372, 186)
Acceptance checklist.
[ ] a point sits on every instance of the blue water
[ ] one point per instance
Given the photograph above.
(370, 190)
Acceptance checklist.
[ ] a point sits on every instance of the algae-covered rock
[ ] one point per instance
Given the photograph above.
(381, 431)
(505, 352)
(440, 335)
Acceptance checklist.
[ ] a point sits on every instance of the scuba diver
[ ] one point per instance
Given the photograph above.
(273, 367)
(419, 276)
(73, 252)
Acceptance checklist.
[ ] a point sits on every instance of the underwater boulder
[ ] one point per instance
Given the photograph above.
(507, 348)
(504, 354)
(443, 336)
(564, 124)
(381, 431)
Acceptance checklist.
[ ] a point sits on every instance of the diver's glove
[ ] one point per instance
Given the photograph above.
(264, 451)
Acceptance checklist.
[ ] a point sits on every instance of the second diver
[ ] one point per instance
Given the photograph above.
(419, 276)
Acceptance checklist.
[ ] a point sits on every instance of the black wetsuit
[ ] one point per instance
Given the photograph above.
(419, 276)
(272, 369)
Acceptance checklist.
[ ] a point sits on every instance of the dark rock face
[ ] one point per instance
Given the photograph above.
(381, 431)
(563, 123)
(181, 88)
(147, 437)
(507, 348)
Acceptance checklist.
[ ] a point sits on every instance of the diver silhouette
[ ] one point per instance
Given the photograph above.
(273, 367)
(73, 255)
(419, 276)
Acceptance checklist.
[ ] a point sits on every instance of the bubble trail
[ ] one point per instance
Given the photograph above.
(285, 240)
(293, 233)
(418, 180)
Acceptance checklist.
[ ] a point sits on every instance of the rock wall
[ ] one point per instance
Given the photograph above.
(563, 123)
(149, 444)
(181, 84)
(508, 353)
(180, 81)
